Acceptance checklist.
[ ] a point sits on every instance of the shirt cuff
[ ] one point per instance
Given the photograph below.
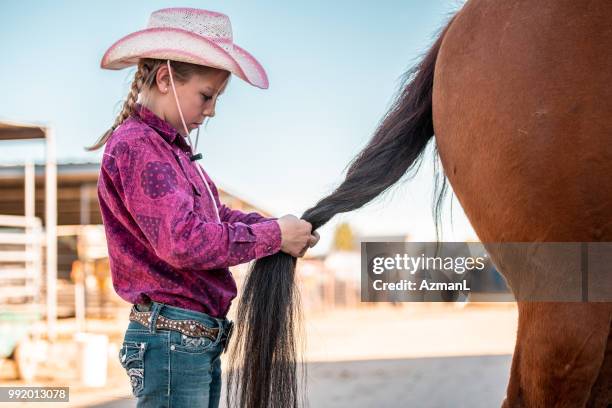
(268, 238)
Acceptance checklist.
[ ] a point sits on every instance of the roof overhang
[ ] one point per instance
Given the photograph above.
(20, 131)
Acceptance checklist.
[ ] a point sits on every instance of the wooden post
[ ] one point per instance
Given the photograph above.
(51, 232)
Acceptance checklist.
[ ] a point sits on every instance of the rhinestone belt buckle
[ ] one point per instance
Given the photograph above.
(230, 331)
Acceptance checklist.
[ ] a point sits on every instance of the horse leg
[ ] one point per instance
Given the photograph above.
(601, 393)
(558, 355)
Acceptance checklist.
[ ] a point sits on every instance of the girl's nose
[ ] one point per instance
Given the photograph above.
(210, 111)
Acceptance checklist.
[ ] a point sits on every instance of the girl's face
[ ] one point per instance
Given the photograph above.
(197, 97)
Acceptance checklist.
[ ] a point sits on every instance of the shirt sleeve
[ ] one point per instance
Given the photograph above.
(229, 215)
(160, 200)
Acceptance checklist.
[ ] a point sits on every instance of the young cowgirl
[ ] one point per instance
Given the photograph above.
(170, 239)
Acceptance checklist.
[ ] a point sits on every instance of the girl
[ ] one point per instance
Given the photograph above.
(170, 239)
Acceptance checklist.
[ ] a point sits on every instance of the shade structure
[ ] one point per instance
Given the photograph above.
(18, 131)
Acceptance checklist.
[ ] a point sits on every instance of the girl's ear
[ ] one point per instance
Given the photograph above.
(162, 79)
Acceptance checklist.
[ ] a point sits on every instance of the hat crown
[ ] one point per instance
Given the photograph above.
(190, 35)
(211, 25)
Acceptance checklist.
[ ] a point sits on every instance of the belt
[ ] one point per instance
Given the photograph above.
(188, 327)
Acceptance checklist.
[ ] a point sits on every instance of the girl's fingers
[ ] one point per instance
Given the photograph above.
(303, 251)
(312, 241)
(314, 238)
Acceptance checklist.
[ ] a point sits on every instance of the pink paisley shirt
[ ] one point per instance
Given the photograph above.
(164, 241)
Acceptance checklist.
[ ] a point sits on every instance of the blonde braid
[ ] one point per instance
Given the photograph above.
(128, 106)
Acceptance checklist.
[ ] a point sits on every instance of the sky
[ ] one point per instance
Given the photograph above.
(333, 68)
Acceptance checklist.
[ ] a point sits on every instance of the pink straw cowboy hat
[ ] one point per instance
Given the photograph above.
(188, 35)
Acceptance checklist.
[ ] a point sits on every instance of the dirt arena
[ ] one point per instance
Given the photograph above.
(413, 355)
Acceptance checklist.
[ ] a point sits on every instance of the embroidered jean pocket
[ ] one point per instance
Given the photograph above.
(131, 357)
(189, 344)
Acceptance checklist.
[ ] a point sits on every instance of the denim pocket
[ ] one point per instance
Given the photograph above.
(182, 342)
(131, 357)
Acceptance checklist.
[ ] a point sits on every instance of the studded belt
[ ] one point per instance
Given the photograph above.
(188, 327)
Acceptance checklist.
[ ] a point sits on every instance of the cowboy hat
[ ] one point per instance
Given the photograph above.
(188, 35)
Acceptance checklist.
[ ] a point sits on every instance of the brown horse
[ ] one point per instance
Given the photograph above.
(523, 125)
(518, 96)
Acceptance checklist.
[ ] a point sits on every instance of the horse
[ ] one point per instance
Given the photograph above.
(516, 97)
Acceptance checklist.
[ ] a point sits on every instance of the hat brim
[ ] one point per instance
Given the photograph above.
(181, 45)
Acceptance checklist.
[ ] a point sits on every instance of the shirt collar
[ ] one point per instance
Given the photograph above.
(163, 127)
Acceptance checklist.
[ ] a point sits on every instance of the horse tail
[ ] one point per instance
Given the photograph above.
(263, 362)
(396, 148)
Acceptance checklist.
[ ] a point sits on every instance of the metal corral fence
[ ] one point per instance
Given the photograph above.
(21, 252)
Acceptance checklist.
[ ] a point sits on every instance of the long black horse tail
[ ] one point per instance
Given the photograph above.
(264, 360)
(395, 149)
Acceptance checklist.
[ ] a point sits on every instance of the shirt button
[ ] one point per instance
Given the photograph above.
(172, 347)
(269, 248)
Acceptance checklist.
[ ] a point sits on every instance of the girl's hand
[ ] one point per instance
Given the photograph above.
(314, 238)
(296, 235)
(312, 241)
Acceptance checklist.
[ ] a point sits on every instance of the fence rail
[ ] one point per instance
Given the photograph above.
(21, 243)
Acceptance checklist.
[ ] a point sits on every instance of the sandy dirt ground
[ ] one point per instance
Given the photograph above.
(414, 355)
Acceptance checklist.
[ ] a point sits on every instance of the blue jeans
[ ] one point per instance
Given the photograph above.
(169, 369)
